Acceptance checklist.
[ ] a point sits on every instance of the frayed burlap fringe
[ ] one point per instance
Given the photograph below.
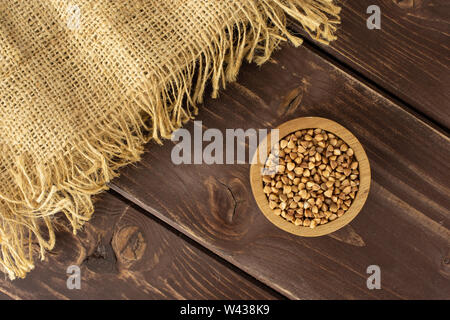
(152, 110)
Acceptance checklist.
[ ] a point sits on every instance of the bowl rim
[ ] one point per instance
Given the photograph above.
(301, 124)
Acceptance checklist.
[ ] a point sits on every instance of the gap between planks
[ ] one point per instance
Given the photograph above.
(122, 196)
(374, 86)
(229, 260)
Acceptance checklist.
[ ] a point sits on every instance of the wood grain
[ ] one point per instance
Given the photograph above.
(125, 255)
(403, 228)
(408, 56)
(289, 127)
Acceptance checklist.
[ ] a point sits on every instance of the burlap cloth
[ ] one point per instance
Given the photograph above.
(84, 84)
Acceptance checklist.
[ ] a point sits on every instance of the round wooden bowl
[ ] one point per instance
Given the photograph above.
(364, 175)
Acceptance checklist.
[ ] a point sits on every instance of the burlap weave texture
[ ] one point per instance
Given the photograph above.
(79, 98)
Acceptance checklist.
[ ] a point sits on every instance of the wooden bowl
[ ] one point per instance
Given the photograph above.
(364, 175)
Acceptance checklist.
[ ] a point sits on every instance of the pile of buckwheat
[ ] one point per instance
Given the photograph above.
(315, 180)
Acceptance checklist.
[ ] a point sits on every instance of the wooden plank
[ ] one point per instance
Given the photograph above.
(403, 227)
(125, 255)
(408, 56)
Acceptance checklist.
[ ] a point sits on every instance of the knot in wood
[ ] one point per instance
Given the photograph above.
(129, 244)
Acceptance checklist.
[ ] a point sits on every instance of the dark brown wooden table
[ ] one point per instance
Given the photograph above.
(194, 232)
